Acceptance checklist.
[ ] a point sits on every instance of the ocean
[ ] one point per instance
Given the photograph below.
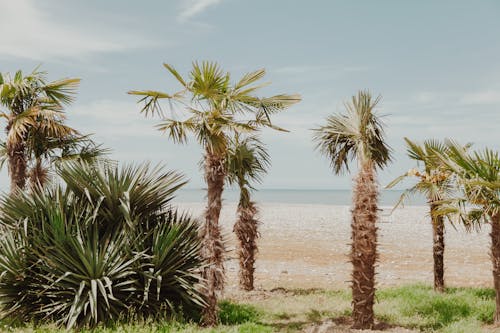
(323, 197)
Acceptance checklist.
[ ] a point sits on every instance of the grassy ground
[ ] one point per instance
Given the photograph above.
(416, 308)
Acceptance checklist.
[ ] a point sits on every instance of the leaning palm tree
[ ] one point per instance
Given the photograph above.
(30, 102)
(247, 162)
(479, 183)
(358, 134)
(214, 110)
(436, 182)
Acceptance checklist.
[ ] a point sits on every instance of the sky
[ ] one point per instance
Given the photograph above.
(436, 65)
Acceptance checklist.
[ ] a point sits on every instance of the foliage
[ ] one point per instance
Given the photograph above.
(358, 134)
(247, 161)
(478, 177)
(418, 306)
(213, 106)
(435, 180)
(234, 313)
(34, 111)
(106, 246)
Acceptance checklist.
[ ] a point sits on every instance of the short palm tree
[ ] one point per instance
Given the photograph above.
(436, 182)
(247, 162)
(358, 134)
(214, 109)
(44, 152)
(479, 182)
(30, 102)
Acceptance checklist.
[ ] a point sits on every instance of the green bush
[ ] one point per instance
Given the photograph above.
(105, 247)
(234, 314)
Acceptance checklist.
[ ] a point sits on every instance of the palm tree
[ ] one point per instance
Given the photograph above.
(437, 184)
(45, 151)
(247, 161)
(479, 183)
(358, 134)
(214, 109)
(30, 102)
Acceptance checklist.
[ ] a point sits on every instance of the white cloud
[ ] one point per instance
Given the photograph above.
(29, 32)
(191, 8)
(112, 120)
(483, 97)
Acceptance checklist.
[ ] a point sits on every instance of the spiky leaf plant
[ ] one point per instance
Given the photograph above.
(95, 252)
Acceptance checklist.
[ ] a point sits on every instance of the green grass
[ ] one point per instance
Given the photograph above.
(418, 306)
(415, 307)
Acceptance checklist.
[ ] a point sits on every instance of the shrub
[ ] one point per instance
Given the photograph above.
(105, 247)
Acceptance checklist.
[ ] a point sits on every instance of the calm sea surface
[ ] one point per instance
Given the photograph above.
(328, 197)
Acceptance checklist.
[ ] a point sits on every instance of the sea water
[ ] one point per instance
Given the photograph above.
(322, 197)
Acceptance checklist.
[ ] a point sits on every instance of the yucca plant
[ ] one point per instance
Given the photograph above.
(358, 134)
(86, 255)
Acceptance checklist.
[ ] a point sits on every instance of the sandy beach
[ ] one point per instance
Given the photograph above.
(306, 246)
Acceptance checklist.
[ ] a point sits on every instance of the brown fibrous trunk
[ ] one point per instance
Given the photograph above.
(38, 175)
(17, 165)
(213, 246)
(495, 259)
(438, 249)
(246, 231)
(364, 248)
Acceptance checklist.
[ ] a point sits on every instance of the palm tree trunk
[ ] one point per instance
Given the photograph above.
(247, 233)
(17, 166)
(495, 258)
(364, 247)
(438, 249)
(213, 247)
(38, 175)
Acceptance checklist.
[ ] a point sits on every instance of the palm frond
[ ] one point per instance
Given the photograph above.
(357, 134)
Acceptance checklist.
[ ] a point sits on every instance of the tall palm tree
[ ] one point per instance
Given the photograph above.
(479, 182)
(358, 134)
(436, 182)
(30, 102)
(247, 162)
(214, 109)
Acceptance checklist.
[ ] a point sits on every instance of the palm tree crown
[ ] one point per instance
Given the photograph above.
(436, 181)
(356, 134)
(247, 161)
(33, 109)
(214, 107)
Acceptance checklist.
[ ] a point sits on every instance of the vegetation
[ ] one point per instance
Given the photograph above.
(436, 182)
(106, 247)
(33, 110)
(415, 307)
(479, 183)
(247, 161)
(216, 109)
(358, 134)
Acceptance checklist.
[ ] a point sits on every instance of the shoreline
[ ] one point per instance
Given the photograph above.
(307, 246)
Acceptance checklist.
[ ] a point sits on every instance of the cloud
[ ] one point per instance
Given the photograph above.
(112, 120)
(31, 33)
(192, 8)
(483, 97)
